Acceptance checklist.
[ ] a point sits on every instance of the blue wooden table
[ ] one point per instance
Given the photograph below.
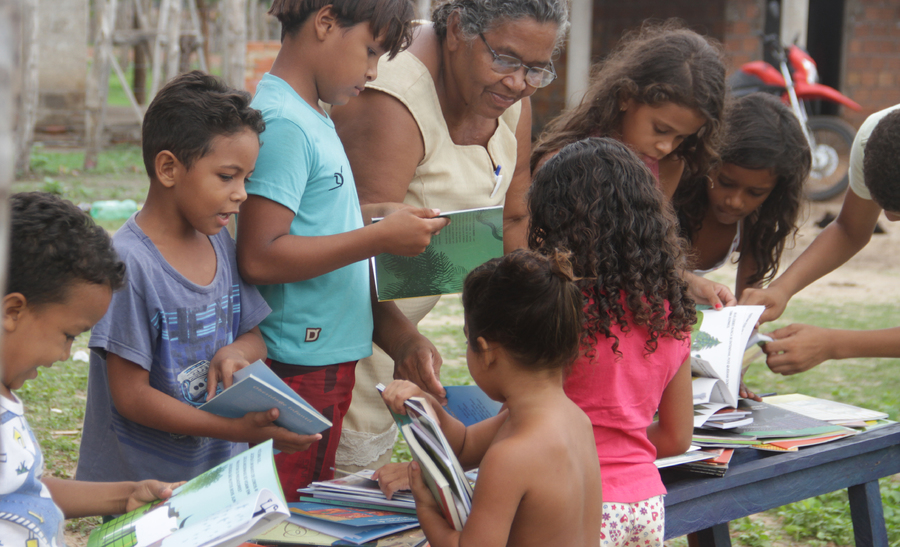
(757, 481)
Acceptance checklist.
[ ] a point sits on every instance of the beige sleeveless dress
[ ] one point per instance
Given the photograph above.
(450, 177)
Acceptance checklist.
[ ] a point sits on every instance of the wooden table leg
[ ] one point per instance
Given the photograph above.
(867, 514)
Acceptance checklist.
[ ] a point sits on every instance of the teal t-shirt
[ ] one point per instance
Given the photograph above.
(302, 166)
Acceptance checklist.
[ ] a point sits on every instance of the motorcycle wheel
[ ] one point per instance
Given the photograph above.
(829, 175)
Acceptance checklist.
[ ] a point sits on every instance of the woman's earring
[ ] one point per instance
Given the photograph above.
(711, 184)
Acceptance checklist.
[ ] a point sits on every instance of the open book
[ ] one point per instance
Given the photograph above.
(441, 470)
(256, 388)
(718, 342)
(223, 507)
(473, 237)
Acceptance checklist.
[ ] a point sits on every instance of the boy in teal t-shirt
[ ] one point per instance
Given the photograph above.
(301, 234)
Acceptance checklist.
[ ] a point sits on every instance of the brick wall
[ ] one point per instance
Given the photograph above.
(743, 20)
(260, 56)
(871, 74)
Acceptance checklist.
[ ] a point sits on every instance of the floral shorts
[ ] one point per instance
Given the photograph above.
(639, 524)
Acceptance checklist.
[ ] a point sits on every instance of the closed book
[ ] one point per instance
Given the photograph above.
(255, 389)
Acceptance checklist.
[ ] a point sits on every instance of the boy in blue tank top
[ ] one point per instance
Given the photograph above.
(301, 235)
(184, 320)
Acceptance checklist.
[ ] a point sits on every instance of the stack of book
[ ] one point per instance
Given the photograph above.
(287, 534)
(717, 465)
(350, 510)
(350, 524)
(773, 428)
(830, 411)
(357, 490)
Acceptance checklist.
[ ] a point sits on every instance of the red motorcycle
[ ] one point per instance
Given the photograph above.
(796, 82)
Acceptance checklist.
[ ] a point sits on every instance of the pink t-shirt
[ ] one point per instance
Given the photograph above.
(621, 394)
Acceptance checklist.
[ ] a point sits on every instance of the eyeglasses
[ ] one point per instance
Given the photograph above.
(507, 64)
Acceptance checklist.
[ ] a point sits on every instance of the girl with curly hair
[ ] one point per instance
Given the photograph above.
(662, 93)
(599, 201)
(750, 202)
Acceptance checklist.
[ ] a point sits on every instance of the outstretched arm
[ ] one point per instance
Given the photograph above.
(798, 348)
(268, 253)
(87, 499)
(834, 246)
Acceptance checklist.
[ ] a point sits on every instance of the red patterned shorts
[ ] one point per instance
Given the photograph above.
(328, 389)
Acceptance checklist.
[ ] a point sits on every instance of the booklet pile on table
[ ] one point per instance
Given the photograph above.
(782, 423)
(350, 510)
(357, 490)
(354, 525)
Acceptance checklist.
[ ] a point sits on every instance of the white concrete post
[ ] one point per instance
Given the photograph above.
(578, 53)
(794, 21)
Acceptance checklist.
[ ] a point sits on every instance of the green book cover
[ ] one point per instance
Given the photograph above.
(473, 237)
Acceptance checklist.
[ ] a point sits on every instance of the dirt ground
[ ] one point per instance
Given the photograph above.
(874, 273)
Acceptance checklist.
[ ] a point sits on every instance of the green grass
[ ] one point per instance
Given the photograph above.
(121, 159)
(119, 175)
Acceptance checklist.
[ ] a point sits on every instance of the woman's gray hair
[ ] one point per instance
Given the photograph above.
(479, 16)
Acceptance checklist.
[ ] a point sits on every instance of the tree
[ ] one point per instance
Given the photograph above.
(29, 77)
(9, 41)
(235, 35)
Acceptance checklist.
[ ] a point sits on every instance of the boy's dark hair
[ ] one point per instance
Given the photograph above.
(760, 133)
(881, 170)
(479, 16)
(189, 112)
(658, 64)
(598, 200)
(390, 19)
(54, 244)
(527, 303)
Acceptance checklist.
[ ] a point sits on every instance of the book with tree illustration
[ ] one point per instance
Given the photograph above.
(718, 342)
(473, 237)
(223, 507)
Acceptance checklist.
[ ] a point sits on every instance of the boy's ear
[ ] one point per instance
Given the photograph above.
(14, 305)
(166, 167)
(325, 21)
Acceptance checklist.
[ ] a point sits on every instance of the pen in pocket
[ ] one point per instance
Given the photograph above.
(498, 178)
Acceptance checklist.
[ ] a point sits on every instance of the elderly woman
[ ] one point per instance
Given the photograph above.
(447, 125)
